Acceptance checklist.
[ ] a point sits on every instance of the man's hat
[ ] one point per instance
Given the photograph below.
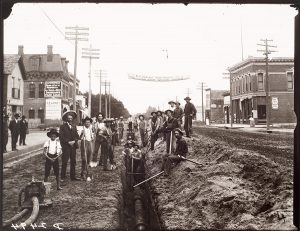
(70, 112)
(179, 130)
(187, 98)
(121, 117)
(171, 102)
(17, 115)
(177, 103)
(136, 145)
(100, 113)
(129, 142)
(168, 110)
(142, 116)
(87, 118)
(154, 112)
(159, 112)
(52, 131)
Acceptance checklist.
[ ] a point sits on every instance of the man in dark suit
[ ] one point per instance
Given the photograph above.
(69, 142)
(5, 132)
(23, 130)
(189, 112)
(14, 127)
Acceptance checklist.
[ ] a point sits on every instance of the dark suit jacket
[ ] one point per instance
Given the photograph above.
(14, 127)
(66, 134)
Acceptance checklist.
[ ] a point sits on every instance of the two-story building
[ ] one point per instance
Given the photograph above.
(48, 87)
(13, 82)
(248, 88)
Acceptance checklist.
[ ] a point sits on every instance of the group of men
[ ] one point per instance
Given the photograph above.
(101, 134)
(18, 129)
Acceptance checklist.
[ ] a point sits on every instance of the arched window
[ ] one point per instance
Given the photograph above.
(41, 90)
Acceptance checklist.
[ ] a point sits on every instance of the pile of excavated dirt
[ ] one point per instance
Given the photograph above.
(233, 189)
(80, 204)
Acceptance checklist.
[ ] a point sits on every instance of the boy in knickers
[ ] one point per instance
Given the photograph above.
(52, 151)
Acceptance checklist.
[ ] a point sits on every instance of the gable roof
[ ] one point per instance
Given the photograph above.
(10, 61)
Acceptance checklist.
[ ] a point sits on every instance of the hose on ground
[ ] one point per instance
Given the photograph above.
(15, 218)
(34, 213)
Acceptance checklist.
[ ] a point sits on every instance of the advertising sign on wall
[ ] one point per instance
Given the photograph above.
(275, 103)
(53, 89)
(53, 109)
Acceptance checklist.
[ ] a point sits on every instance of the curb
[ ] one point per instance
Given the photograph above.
(14, 154)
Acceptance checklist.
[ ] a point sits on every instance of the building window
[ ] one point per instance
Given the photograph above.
(240, 81)
(260, 81)
(67, 92)
(250, 87)
(32, 90)
(41, 90)
(41, 115)
(31, 114)
(15, 93)
(34, 63)
(70, 92)
(290, 80)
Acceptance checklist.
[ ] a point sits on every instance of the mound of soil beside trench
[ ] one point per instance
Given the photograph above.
(234, 189)
(79, 205)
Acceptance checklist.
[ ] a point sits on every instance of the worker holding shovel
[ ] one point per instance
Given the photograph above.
(179, 155)
(87, 137)
(169, 126)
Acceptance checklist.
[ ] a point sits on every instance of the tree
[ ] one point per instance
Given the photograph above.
(117, 107)
(149, 110)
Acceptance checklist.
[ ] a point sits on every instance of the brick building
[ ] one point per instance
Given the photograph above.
(248, 84)
(48, 87)
(214, 110)
(13, 81)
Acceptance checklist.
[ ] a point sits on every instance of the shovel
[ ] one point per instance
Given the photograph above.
(89, 178)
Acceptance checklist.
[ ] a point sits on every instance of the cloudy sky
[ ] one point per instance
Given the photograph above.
(202, 41)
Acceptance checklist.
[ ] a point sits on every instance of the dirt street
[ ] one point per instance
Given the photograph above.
(81, 204)
(246, 182)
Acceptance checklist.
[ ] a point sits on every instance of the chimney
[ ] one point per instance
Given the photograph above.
(67, 62)
(49, 53)
(20, 50)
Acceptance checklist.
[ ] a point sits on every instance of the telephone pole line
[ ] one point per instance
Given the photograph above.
(90, 53)
(202, 98)
(266, 51)
(77, 34)
(100, 74)
(106, 84)
(228, 76)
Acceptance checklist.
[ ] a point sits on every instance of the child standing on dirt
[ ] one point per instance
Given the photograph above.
(52, 151)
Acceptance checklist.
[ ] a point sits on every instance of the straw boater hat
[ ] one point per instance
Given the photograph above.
(87, 118)
(187, 98)
(169, 110)
(179, 130)
(154, 112)
(142, 116)
(52, 131)
(70, 112)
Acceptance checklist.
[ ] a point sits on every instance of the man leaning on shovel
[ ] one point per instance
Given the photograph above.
(179, 154)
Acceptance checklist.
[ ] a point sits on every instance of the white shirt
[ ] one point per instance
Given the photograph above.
(53, 146)
(87, 133)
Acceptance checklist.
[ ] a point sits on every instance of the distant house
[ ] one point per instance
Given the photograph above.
(48, 88)
(214, 110)
(13, 82)
(248, 84)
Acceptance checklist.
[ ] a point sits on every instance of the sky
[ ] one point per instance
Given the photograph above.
(202, 41)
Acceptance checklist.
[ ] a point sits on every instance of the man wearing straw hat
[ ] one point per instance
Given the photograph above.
(189, 112)
(69, 142)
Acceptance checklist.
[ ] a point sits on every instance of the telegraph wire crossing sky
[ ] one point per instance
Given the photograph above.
(201, 41)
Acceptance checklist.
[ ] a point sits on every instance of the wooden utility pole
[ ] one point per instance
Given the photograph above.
(266, 52)
(109, 100)
(90, 54)
(100, 74)
(106, 83)
(77, 34)
(201, 87)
